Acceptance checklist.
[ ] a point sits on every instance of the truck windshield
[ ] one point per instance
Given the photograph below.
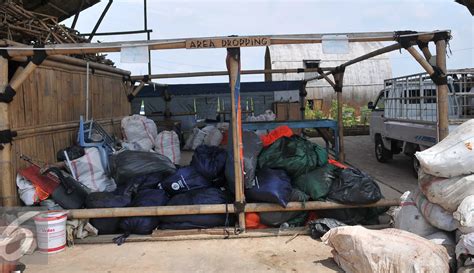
(380, 103)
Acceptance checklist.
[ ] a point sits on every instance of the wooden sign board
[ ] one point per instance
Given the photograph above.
(227, 42)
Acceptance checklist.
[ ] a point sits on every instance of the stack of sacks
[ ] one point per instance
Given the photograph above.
(140, 134)
(446, 187)
(267, 116)
(209, 135)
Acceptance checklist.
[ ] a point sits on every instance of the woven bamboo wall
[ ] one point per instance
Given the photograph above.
(46, 110)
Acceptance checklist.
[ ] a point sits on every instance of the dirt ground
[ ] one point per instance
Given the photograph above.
(271, 254)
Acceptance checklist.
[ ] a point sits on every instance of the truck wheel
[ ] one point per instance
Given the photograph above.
(381, 153)
(416, 165)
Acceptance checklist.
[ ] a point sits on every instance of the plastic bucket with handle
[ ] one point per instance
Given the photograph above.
(51, 231)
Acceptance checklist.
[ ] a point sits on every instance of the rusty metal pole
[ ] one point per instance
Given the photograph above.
(442, 91)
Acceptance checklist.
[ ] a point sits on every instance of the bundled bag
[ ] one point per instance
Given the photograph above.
(446, 192)
(138, 183)
(213, 136)
(144, 224)
(185, 179)
(128, 164)
(275, 134)
(465, 250)
(357, 249)
(295, 155)
(295, 218)
(354, 216)
(97, 200)
(465, 212)
(408, 217)
(317, 183)
(319, 227)
(195, 139)
(73, 152)
(29, 193)
(272, 186)
(210, 161)
(446, 240)
(252, 145)
(354, 187)
(140, 132)
(453, 156)
(89, 171)
(167, 144)
(434, 214)
(195, 197)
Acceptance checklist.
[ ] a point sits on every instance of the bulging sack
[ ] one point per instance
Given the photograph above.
(435, 214)
(276, 218)
(316, 183)
(408, 217)
(354, 187)
(360, 250)
(213, 136)
(89, 171)
(210, 161)
(273, 186)
(465, 212)
(140, 132)
(446, 192)
(185, 179)
(195, 139)
(167, 144)
(106, 200)
(453, 156)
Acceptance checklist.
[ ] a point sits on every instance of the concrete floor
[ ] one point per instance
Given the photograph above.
(273, 254)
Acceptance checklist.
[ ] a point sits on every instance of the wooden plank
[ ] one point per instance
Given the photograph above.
(228, 42)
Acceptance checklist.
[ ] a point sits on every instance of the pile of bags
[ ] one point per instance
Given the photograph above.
(442, 209)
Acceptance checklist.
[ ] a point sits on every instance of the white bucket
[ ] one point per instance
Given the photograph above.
(51, 231)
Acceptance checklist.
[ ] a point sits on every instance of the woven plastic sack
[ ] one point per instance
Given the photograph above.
(453, 156)
(213, 136)
(295, 155)
(465, 212)
(140, 132)
(360, 250)
(435, 214)
(167, 144)
(195, 139)
(408, 217)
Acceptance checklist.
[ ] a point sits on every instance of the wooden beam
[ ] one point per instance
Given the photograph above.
(225, 73)
(88, 48)
(16, 82)
(442, 92)
(422, 61)
(217, 209)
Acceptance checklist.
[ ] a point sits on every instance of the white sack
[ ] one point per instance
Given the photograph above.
(408, 217)
(446, 192)
(357, 249)
(465, 212)
(453, 156)
(435, 214)
(140, 132)
(195, 139)
(213, 136)
(27, 191)
(465, 245)
(444, 239)
(167, 144)
(89, 171)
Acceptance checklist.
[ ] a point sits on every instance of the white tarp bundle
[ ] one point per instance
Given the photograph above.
(465, 212)
(360, 250)
(139, 133)
(453, 156)
(465, 246)
(89, 171)
(446, 192)
(167, 144)
(213, 136)
(408, 217)
(195, 139)
(435, 214)
(27, 191)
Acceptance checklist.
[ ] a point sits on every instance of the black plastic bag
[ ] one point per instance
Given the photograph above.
(106, 200)
(272, 186)
(73, 152)
(354, 216)
(69, 194)
(185, 179)
(142, 182)
(319, 227)
(296, 218)
(210, 161)
(195, 197)
(129, 164)
(354, 187)
(252, 145)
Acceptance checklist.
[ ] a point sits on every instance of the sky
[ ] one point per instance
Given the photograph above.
(180, 18)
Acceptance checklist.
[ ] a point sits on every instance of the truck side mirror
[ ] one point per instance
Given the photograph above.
(370, 105)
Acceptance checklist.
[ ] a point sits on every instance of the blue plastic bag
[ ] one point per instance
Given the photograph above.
(272, 186)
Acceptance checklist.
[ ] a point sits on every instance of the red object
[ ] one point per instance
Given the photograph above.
(337, 164)
(252, 221)
(311, 216)
(225, 137)
(274, 135)
(44, 184)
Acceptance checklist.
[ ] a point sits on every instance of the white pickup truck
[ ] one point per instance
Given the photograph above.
(404, 115)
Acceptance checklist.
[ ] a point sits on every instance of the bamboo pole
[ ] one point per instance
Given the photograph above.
(88, 48)
(138, 88)
(7, 184)
(217, 209)
(442, 92)
(423, 62)
(233, 65)
(338, 79)
(16, 82)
